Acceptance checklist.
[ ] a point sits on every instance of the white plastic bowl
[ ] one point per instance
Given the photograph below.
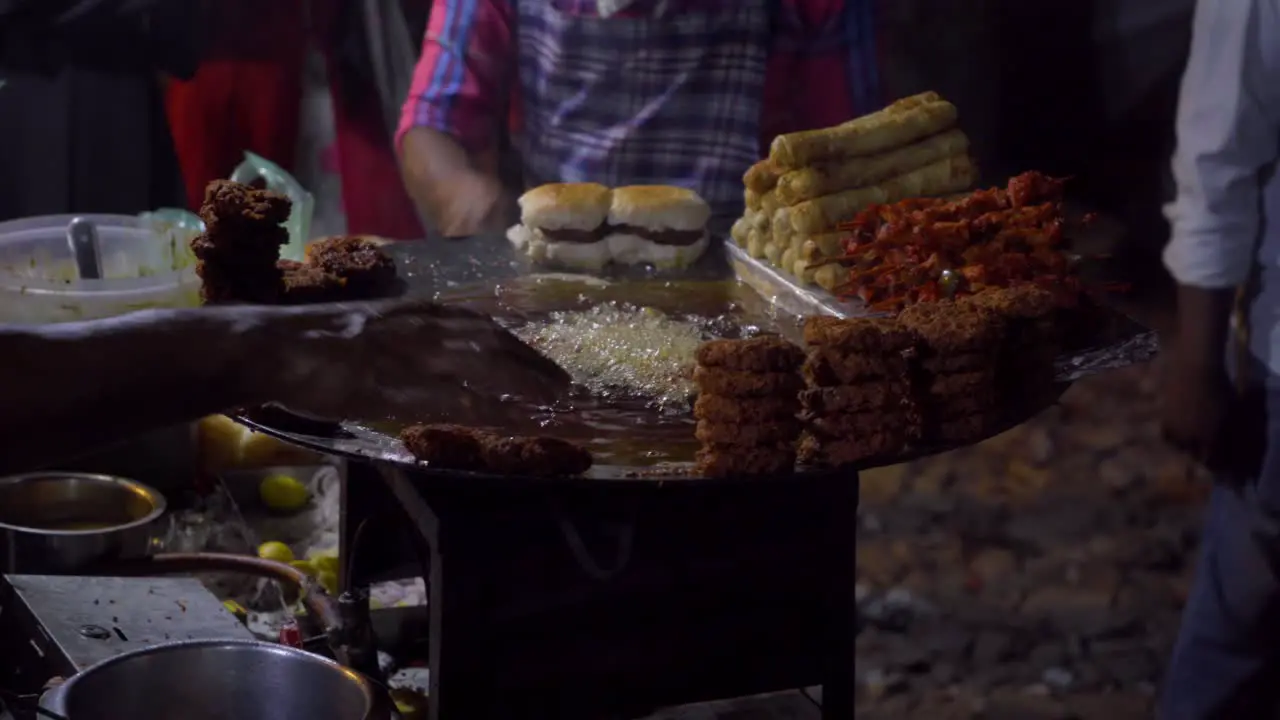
(144, 265)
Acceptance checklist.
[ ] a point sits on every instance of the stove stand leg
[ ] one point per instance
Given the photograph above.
(841, 674)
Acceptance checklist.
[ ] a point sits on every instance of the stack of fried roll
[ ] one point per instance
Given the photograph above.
(746, 407)
(239, 249)
(960, 348)
(1032, 342)
(816, 179)
(857, 401)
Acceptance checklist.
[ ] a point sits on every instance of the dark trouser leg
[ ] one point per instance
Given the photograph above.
(1225, 661)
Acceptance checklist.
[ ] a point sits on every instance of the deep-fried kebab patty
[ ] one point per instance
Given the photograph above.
(246, 245)
(947, 326)
(719, 409)
(886, 394)
(768, 353)
(833, 453)
(773, 433)
(456, 447)
(1022, 301)
(965, 383)
(739, 461)
(368, 270)
(905, 422)
(451, 447)
(869, 335)
(227, 202)
(304, 284)
(536, 456)
(961, 405)
(964, 362)
(727, 383)
(262, 286)
(825, 368)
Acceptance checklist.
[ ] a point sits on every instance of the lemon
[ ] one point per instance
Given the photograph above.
(306, 566)
(325, 563)
(218, 438)
(258, 450)
(274, 550)
(328, 581)
(283, 493)
(409, 704)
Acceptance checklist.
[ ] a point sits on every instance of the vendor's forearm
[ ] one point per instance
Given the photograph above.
(1204, 322)
(432, 163)
(147, 370)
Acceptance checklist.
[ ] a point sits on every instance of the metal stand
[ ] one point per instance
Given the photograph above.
(584, 601)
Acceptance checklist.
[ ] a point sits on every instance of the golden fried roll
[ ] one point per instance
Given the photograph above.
(885, 395)
(787, 261)
(751, 199)
(736, 461)
(864, 334)
(773, 253)
(728, 383)
(867, 135)
(760, 221)
(830, 276)
(838, 175)
(803, 272)
(761, 177)
(451, 447)
(946, 327)
(756, 242)
(741, 232)
(769, 204)
(767, 353)
(748, 411)
(817, 247)
(781, 227)
(948, 175)
(778, 432)
(831, 368)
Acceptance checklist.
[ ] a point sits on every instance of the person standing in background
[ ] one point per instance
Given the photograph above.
(1224, 253)
(683, 92)
(82, 124)
(245, 94)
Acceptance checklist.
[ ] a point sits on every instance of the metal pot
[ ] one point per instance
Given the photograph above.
(54, 523)
(217, 680)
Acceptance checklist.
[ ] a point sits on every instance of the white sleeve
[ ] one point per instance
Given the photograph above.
(1228, 126)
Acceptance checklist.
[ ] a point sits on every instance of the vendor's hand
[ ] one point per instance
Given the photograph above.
(408, 360)
(475, 204)
(1197, 398)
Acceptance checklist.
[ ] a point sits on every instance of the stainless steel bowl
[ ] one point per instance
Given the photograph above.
(217, 680)
(62, 522)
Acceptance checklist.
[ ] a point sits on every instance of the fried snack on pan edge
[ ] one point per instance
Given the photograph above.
(364, 268)
(238, 250)
(455, 447)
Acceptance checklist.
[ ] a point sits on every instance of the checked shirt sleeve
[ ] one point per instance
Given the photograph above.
(460, 82)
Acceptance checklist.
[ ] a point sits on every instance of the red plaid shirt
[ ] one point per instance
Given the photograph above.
(822, 67)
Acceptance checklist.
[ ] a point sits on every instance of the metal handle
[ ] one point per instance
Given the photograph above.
(82, 238)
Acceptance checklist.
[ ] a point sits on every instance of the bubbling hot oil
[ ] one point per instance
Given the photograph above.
(621, 350)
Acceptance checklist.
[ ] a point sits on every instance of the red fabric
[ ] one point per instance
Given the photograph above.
(373, 193)
(231, 106)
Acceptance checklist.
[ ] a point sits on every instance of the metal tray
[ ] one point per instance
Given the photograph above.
(437, 269)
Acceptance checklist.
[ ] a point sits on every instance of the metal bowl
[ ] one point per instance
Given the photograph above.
(217, 680)
(63, 522)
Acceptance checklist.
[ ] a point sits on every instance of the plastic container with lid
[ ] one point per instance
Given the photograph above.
(146, 263)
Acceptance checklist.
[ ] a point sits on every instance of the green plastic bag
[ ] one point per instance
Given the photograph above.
(299, 223)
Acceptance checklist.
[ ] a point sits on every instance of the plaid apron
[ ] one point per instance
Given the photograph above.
(661, 99)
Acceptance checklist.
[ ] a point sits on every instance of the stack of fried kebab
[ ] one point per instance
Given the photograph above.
(814, 180)
(959, 346)
(238, 250)
(858, 403)
(455, 447)
(1033, 340)
(746, 407)
(239, 255)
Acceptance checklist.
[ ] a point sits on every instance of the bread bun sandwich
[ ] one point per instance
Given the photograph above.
(661, 225)
(565, 224)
